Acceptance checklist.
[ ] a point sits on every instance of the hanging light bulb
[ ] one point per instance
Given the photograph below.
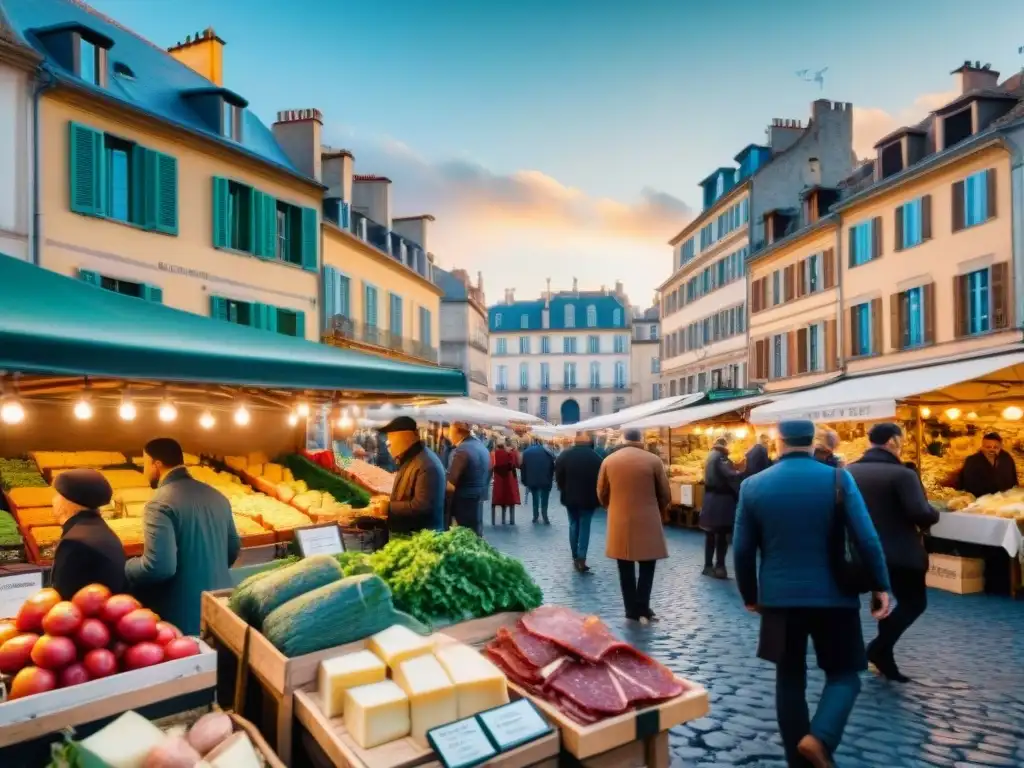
(242, 417)
(206, 420)
(952, 414)
(926, 412)
(740, 433)
(1012, 413)
(83, 409)
(303, 410)
(12, 412)
(167, 412)
(972, 416)
(127, 411)
(345, 422)
(773, 433)
(293, 419)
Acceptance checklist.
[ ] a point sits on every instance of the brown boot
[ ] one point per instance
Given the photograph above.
(814, 752)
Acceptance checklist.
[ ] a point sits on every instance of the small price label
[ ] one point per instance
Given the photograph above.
(514, 724)
(461, 744)
(319, 540)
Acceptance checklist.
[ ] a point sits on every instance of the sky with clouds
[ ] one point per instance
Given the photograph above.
(566, 139)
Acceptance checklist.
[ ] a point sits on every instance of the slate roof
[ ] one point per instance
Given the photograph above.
(605, 304)
(158, 85)
(454, 289)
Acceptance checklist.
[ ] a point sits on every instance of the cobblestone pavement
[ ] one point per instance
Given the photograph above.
(966, 655)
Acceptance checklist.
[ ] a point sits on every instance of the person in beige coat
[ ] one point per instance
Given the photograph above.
(633, 487)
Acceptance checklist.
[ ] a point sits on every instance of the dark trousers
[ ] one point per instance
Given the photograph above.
(716, 544)
(467, 511)
(540, 502)
(911, 595)
(636, 590)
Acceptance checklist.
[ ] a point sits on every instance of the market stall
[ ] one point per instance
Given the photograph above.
(620, 417)
(461, 409)
(945, 409)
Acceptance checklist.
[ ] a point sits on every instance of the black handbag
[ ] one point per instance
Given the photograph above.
(848, 567)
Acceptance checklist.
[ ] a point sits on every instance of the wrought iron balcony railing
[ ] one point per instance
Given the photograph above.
(347, 328)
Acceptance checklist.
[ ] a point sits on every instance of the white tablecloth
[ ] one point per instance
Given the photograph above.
(980, 529)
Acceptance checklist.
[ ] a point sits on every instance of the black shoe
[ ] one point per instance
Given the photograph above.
(652, 616)
(719, 572)
(536, 520)
(708, 571)
(546, 521)
(885, 668)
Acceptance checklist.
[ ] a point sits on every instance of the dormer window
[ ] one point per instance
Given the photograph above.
(231, 122)
(221, 109)
(892, 159)
(78, 49)
(91, 61)
(957, 127)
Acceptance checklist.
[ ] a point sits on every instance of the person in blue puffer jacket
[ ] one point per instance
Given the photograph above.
(786, 514)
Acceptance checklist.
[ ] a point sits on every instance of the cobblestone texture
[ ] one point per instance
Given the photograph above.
(966, 655)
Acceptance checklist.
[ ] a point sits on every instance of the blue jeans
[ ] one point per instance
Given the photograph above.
(834, 707)
(579, 532)
(540, 502)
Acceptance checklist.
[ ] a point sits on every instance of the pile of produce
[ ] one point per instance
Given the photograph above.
(20, 473)
(1008, 504)
(191, 460)
(309, 606)
(323, 507)
(374, 479)
(53, 643)
(318, 478)
(268, 512)
(70, 459)
(577, 664)
(450, 576)
(132, 741)
(10, 540)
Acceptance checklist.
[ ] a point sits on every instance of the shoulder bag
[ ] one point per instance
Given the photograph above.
(848, 568)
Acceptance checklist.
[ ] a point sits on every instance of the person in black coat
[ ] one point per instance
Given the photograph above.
(718, 512)
(576, 472)
(758, 459)
(88, 551)
(417, 501)
(900, 511)
(990, 470)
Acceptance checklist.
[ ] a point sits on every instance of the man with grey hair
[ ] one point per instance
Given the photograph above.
(792, 515)
(825, 446)
(633, 487)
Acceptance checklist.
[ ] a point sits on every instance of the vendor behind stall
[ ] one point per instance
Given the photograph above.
(88, 551)
(990, 470)
(417, 501)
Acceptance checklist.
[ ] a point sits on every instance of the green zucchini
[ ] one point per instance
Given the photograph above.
(260, 596)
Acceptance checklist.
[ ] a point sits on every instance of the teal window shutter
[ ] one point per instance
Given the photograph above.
(426, 329)
(218, 308)
(258, 315)
(310, 238)
(344, 298)
(256, 222)
(300, 325)
(90, 277)
(269, 227)
(163, 188)
(221, 203)
(141, 203)
(153, 293)
(370, 306)
(330, 289)
(87, 170)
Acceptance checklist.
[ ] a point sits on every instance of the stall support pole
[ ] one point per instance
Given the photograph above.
(920, 440)
(670, 446)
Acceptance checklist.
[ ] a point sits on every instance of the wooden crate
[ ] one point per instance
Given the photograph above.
(641, 725)
(32, 717)
(279, 676)
(339, 746)
(270, 759)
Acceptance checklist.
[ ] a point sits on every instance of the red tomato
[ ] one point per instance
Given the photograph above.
(181, 648)
(8, 629)
(32, 680)
(138, 626)
(116, 607)
(73, 674)
(32, 611)
(143, 655)
(63, 619)
(166, 632)
(100, 663)
(91, 599)
(53, 652)
(16, 653)
(92, 634)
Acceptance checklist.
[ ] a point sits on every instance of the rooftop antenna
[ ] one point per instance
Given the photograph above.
(816, 76)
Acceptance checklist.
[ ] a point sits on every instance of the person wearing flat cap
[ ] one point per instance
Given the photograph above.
(789, 514)
(88, 551)
(417, 501)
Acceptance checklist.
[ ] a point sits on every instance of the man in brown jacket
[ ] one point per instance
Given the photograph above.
(633, 487)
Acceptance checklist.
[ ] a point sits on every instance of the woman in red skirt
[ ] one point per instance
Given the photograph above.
(506, 483)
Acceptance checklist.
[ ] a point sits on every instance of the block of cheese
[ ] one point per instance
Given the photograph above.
(339, 674)
(432, 697)
(479, 684)
(236, 752)
(377, 713)
(123, 743)
(398, 643)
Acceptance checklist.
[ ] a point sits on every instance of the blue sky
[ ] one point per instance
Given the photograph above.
(561, 139)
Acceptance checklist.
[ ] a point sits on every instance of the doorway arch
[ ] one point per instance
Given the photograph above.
(570, 411)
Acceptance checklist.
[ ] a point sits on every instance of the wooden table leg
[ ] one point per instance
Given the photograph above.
(656, 750)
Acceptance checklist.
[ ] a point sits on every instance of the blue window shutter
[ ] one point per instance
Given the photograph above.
(140, 207)
(90, 277)
(218, 308)
(257, 247)
(329, 282)
(344, 296)
(269, 226)
(300, 325)
(310, 238)
(270, 318)
(163, 187)
(87, 170)
(153, 293)
(258, 316)
(221, 235)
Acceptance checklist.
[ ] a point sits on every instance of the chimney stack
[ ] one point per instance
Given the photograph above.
(783, 133)
(204, 54)
(371, 196)
(414, 228)
(297, 131)
(618, 288)
(971, 76)
(575, 286)
(336, 168)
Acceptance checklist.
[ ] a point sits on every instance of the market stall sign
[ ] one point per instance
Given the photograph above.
(686, 495)
(476, 739)
(514, 724)
(16, 588)
(867, 411)
(731, 394)
(322, 539)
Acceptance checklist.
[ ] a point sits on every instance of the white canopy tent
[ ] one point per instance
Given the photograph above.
(684, 416)
(633, 412)
(875, 396)
(456, 409)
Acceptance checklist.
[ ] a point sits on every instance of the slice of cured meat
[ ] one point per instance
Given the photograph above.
(537, 650)
(645, 672)
(592, 687)
(581, 715)
(513, 665)
(585, 636)
(632, 690)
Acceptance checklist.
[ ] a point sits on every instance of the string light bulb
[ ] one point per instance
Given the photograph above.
(926, 412)
(167, 412)
(303, 410)
(1012, 413)
(740, 433)
(242, 417)
(206, 420)
(972, 415)
(293, 419)
(127, 410)
(83, 409)
(12, 412)
(952, 414)
(345, 422)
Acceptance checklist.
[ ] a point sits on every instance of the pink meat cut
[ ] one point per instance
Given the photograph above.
(594, 688)
(648, 674)
(585, 636)
(536, 650)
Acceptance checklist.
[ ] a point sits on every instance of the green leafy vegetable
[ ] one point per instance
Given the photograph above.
(20, 473)
(320, 479)
(454, 576)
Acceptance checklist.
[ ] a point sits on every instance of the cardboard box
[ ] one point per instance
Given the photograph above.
(961, 575)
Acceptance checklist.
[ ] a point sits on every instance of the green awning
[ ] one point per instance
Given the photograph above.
(52, 324)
